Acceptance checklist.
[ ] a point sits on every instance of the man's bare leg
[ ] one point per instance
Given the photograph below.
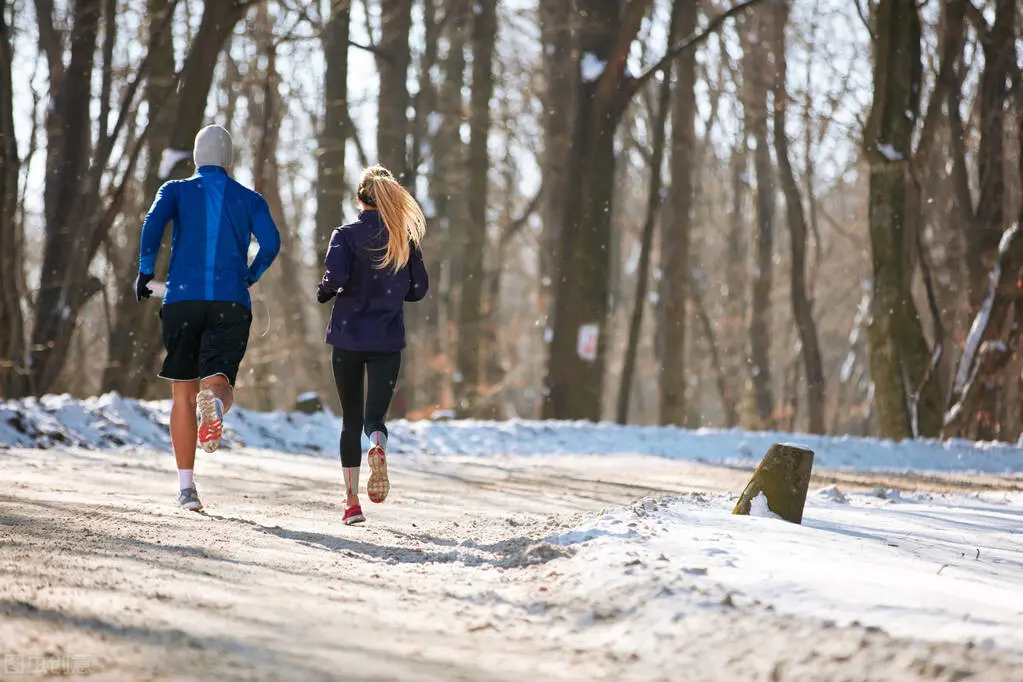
(182, 423)
(183, 434)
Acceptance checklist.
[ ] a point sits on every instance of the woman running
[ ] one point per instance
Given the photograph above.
(373, 266)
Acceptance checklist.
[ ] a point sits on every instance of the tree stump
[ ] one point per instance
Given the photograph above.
(784, 477)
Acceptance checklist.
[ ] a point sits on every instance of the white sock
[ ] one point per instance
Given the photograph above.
(378, 438)
(185, 478)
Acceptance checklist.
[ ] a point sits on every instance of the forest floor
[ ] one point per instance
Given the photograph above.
(473, 570)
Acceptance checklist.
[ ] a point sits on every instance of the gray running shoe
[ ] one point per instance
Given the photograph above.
(189, 499)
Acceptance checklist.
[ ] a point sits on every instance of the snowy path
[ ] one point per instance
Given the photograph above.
(480, 569)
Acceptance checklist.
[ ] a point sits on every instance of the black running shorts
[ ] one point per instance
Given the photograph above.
(204, 338)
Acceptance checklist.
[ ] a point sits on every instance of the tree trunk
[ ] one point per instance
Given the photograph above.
(330, 160)
(576, 369)
(392, 63)
(681, 7)
(735, 305)
(124, 341)
(393, 59)
(725, 392)
(899, 355)
(756, 115)
(987, 374)
(675, 240)
(12, 326)
(135, 342)
(64, 288)
(307, 369)
(982, 240)
(425, 101)
(448, 190)
(981, 380)
(802, 308)
(470, 323)
(560, 100)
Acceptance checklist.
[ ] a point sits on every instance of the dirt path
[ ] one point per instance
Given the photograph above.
(450, 580)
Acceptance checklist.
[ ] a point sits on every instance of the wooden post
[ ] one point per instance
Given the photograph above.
(784, 477)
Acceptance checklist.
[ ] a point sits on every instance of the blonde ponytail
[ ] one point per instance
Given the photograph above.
(399, 212)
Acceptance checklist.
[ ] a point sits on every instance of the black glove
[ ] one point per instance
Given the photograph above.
(324, 296)
(141, 290)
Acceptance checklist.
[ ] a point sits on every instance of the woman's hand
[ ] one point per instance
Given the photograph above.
(324, 296)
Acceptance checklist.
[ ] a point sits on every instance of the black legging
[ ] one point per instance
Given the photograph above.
(351, 368)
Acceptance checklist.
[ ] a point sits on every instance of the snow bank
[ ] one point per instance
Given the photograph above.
(110, 421)
(936, 567)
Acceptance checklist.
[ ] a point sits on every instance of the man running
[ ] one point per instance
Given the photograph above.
(206, 311)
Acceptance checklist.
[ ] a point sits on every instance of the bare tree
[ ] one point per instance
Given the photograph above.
(135, 341)
(12, 327)
(977, 408)
(64, 285)
(334, 133)
(393, 57)
(676, 237)
(899, 354)
(124, 342)
(561, 85)
(756, 80)
(680, 8)
(802, 308)
(999, 57)
(307, 367)
(484, 34)
(578, 347)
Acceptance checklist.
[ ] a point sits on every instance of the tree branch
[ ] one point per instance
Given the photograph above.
(614, 71)
(865, 18)
(127, 104)
(50, 41)
(690, 42)
(109, 39)
(516, 225)
(372, 49)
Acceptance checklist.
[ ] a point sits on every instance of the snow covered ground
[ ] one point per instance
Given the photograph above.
(929, 566)
(549, 551)
(111, 421)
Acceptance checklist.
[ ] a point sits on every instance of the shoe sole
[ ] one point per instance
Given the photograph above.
(192, 507)
(206, 402)
(377, 486)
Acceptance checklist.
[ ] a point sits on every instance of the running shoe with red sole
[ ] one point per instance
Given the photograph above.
(211, 420)
(377, 486)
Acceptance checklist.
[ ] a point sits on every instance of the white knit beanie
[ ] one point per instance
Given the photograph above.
(213, 147)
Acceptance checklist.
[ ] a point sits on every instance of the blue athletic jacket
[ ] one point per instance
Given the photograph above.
(368, 311)
(214, 219)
